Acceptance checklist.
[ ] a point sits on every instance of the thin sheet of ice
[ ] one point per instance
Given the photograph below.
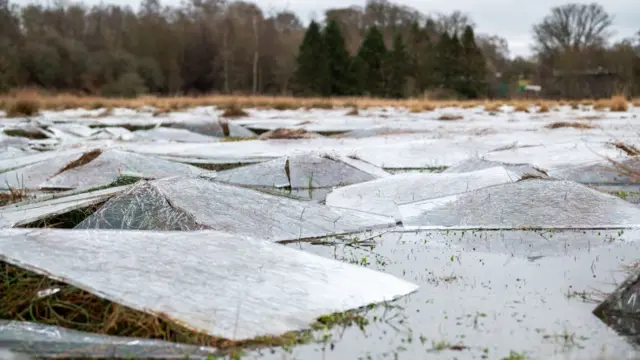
(300, 172)
(52, 341)
(239, 287)
(76, 129)
(556, 156)
(196, 202)
(22, 214)
(106, 168)
(17, 162)
(475, 164)
(383, 196)
(530, 203)
(31, 176)
(601, 174)
(170, 134)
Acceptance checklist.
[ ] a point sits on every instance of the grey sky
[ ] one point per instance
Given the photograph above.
(509, 19)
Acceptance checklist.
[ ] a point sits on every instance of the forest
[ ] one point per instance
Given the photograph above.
(383, 49)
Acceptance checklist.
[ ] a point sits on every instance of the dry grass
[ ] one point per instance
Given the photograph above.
(353, 112)
(234, 111)
(616, 103)
(520, 107)
(63, 101)
(543, 108)
(567, 124)
(450, 117)
(22, 107)
(15, 195)
(24, 297)
(287, 134)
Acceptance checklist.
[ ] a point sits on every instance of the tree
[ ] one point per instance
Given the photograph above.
(572, 26)
(338, 61)
(420, 61)
(370, 63)
(473, 66)
(397, 68)
(311, 78)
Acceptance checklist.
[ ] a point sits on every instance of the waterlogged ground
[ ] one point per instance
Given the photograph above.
(513, 226)
(483, 295)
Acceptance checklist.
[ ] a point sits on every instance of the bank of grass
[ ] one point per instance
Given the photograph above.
(27, 296)
(30, 102)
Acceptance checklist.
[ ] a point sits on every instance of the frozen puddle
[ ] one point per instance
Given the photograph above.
(256, 288)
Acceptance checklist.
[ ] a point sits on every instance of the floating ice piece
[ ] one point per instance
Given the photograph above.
(22, 214)
(529, 203)
(224, 285)
(383, 196)
(621, 308)
(196, 203)
(475, 164)
(302, 172)
(599, 174)
(17, 162)
(28, 338)
(169, 134)
(109, 165)
(213, 127)
(76, 129)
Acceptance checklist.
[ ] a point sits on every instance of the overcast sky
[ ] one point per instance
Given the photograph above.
(509, 19)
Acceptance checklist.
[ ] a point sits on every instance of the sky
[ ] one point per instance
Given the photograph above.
(511, 20)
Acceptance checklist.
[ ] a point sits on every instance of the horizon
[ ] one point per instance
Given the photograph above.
(485, 16)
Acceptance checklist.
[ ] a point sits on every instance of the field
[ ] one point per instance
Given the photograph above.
(282, 228)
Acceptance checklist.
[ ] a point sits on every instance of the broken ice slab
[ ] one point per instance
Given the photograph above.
(76, 129)
(224, 285)
(31, 176)
(303, 171)
(621, 309)
(529, 203)
(383, 196)
(606, 173)
(22, 214)
(178, 135)
(557, 156)
(108, 165)
(17, 162)
(474, 164)
(33, 339)
(182, 203)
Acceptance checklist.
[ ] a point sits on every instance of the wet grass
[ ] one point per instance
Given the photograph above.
(82, 160)
(567, 124)
(27, 296)
(13, 196)
(237, 138)
(68, 220)
(129, 127)
(35, 135)
(450, 117)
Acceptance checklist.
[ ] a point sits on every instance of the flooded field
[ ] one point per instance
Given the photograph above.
(321, 234)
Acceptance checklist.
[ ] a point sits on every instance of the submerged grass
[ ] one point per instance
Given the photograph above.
(82, 160)
(27, 296)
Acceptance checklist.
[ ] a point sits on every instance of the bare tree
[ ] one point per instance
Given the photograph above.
(453, 23)
(573, 26)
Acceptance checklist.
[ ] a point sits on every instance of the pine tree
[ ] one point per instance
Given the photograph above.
(474, 65)
(397, 68)
(338, 61)
(370, 63)
(311, 75)
(456, 60)
(443, 60)
(420, 54)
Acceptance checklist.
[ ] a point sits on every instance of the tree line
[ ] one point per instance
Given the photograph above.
(383, 49)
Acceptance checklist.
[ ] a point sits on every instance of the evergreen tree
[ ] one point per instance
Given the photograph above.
(474, 66)
(370, 63)
(397, 68)
(421, 58)
(338, 61)
(456, 60)
(443, 60)
(311, 77)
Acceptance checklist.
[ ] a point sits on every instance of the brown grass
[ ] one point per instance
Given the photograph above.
(77, 309)
(353, 112)
(15, 195)
(287, 134)
(627, 148)
(566, 124)
(234, 111)
(82, 160)
(23, 107)
(61, 101)
(521, 108)
(450, 117)
(544, 108)
(616, 103)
